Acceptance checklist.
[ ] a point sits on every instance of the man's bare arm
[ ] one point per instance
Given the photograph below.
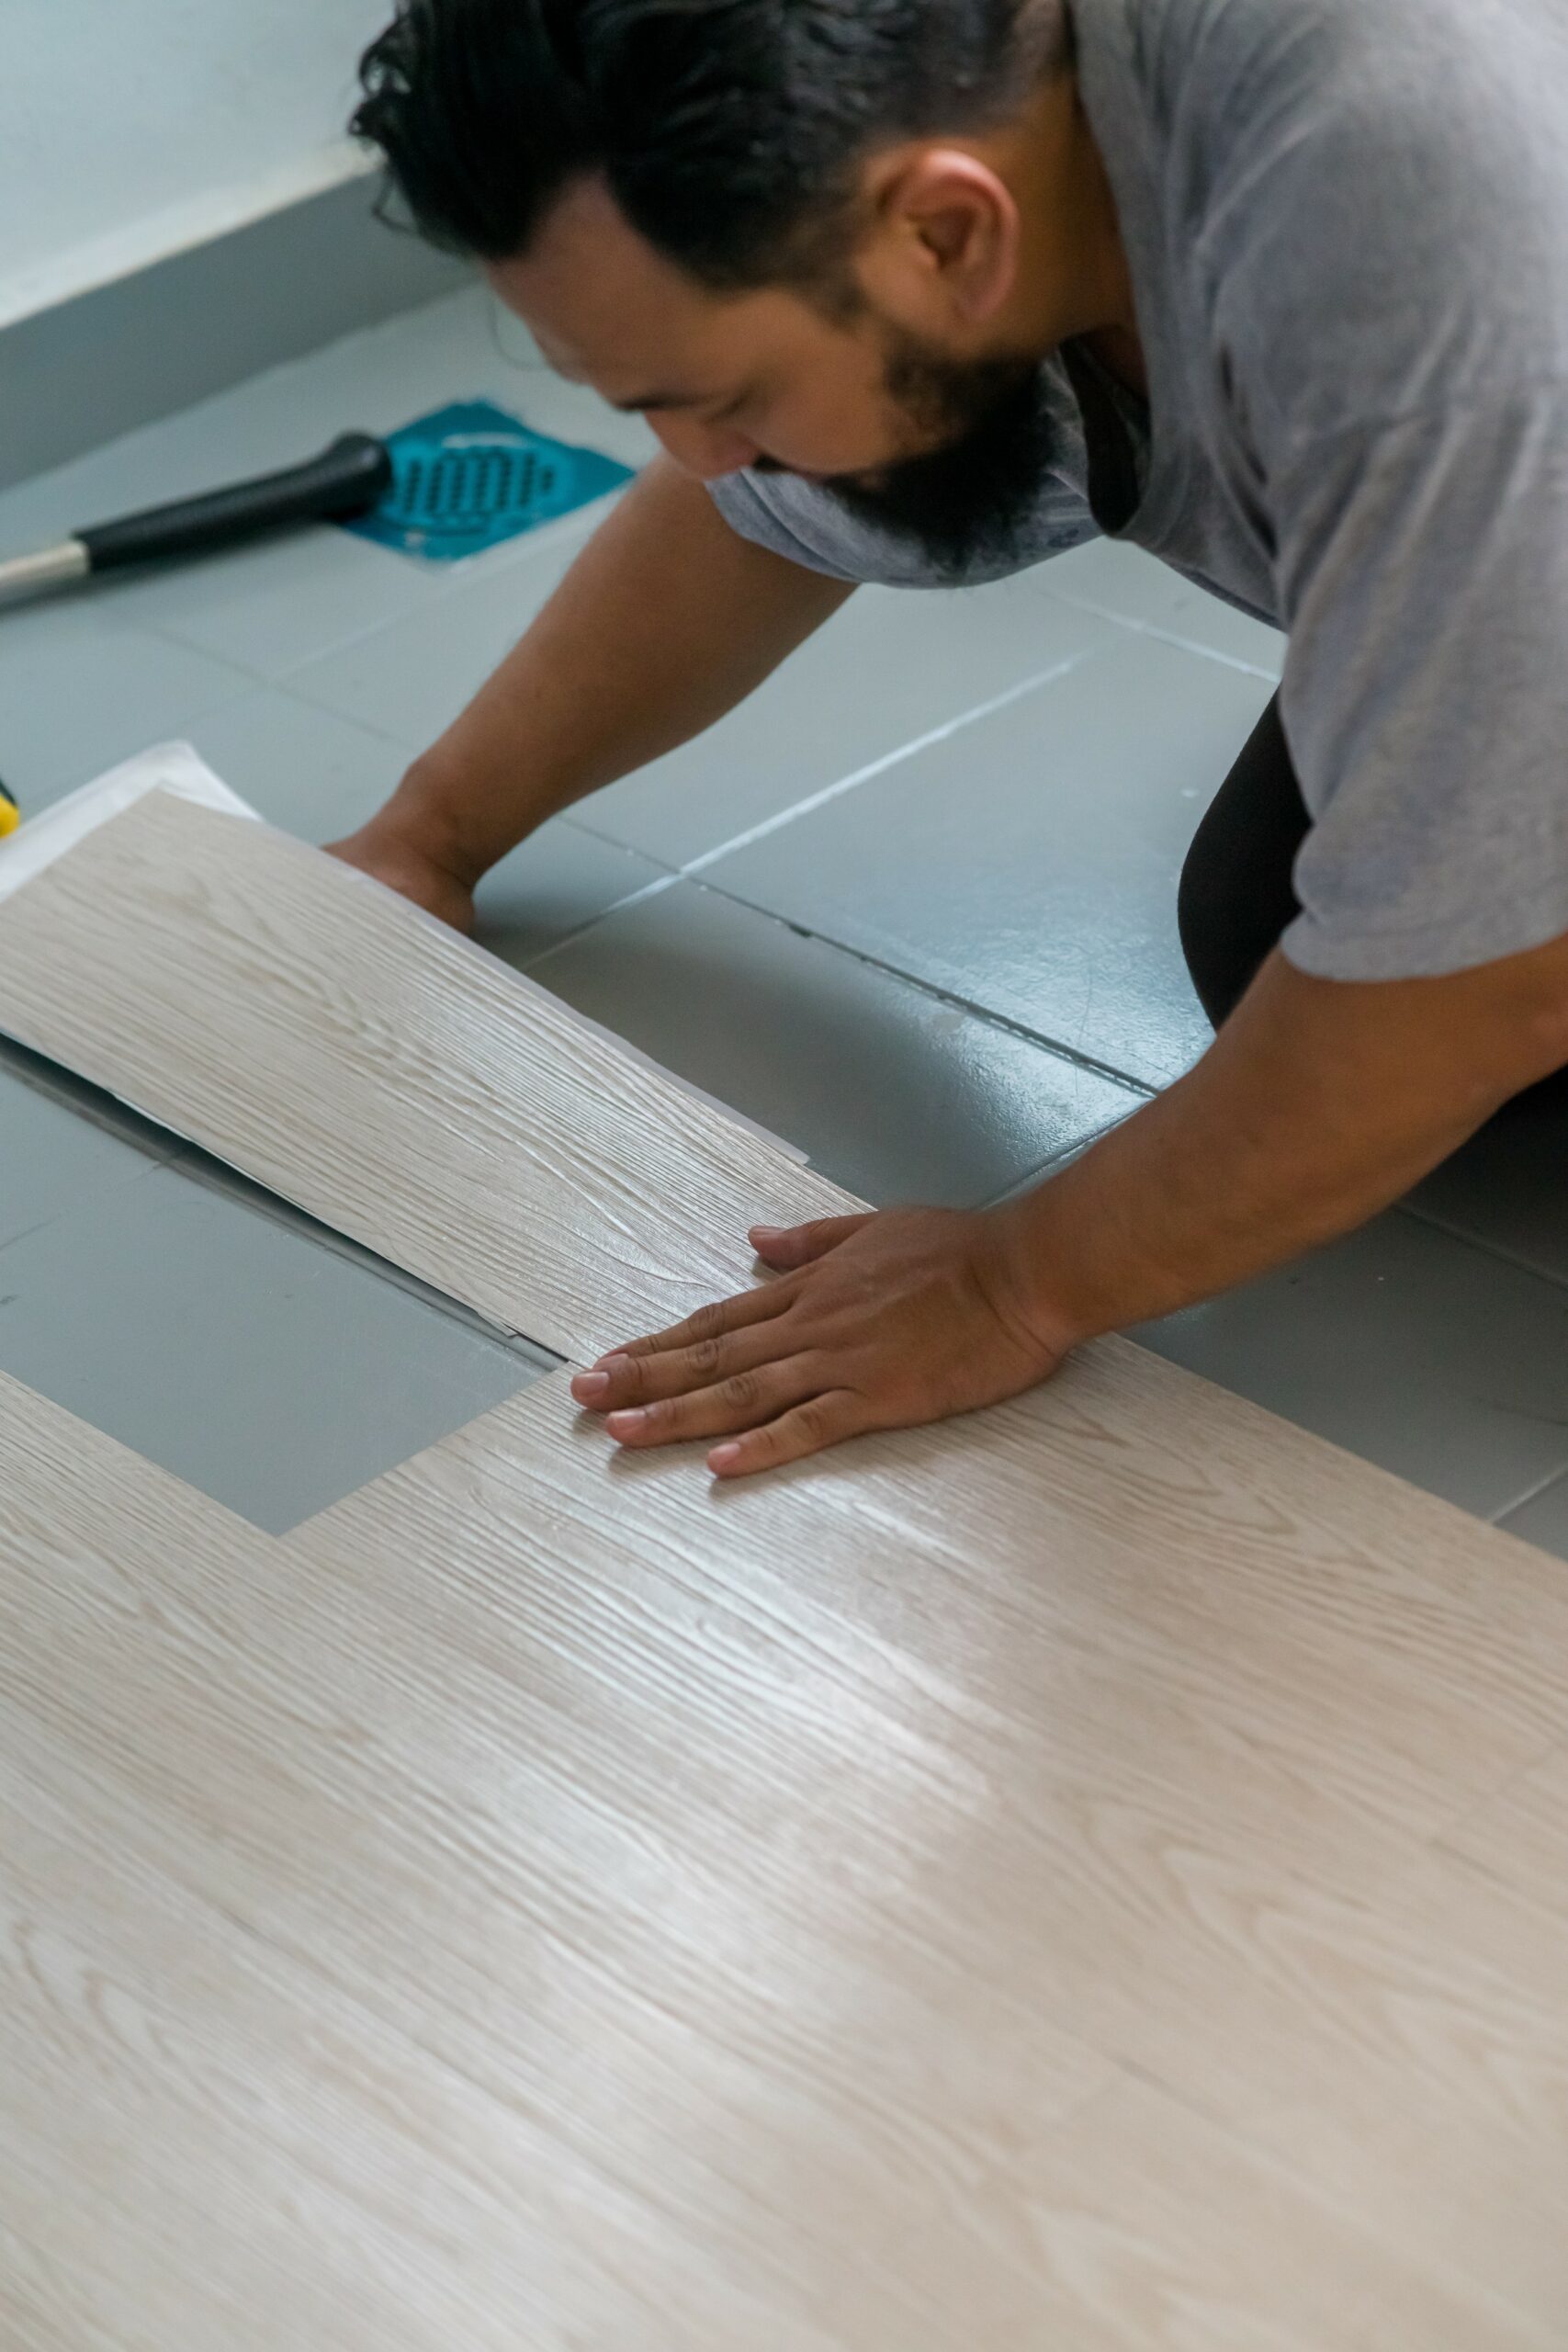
(665, 621)
(1319, 1102)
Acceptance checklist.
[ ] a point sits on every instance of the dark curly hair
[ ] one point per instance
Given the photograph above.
(729, 132)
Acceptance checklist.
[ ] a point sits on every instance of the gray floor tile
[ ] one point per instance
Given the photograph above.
(1543, 1520)
(1029, 863)
(410, 681)
(52, 1157)
(267, 1372)
(281, 602)
(1508, 1189)
(1404, 1345)
(80, 691)
(305, 770)
(86, 1102)
(552, 886)
(1108, 576)
(891, 1092)
(891, 666)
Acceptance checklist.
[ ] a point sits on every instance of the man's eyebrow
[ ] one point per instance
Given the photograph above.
(643, 402)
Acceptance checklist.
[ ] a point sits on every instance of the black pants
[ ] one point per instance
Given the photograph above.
(1237, 896)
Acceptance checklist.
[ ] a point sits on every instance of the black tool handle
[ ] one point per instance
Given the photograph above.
(349, 479)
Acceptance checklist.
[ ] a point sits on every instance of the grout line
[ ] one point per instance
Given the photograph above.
(1531, 1494)
(1165, 636)
(879, 766)
(950, 997)
(440, 592)
(986, 1014)
(1051, 1162)
(696, 867)
(1487, 1249)
(654, 889)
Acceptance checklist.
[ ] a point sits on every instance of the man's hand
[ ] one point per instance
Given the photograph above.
(874, 1322)
(404, 865)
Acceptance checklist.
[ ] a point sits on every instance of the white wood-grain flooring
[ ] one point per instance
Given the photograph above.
(1088, 1876)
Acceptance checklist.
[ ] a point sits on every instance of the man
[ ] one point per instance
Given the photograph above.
(925, 290)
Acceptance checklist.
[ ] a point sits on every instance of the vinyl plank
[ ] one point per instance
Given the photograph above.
(559, 1932)
(997, 1882)
(269, 2166)
(399, 1085)
(801, 1866)
(1167, 2236)
(1520, 1836)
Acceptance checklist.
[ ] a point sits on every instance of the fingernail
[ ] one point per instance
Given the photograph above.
(722, 1456)
(590, 1383)
(623, 1424)
(764, 1233)
(612, 1364)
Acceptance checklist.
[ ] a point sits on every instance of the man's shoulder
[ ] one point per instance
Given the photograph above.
(1374, 198)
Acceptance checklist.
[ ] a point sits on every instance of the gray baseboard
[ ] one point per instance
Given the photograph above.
(122, 353)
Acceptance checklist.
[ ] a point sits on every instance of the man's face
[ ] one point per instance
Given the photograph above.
(944, 448)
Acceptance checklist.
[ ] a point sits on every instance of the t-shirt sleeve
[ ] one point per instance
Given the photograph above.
(781, 512)
(1423, 573)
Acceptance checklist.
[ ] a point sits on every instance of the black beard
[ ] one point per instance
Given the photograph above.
(973, 493)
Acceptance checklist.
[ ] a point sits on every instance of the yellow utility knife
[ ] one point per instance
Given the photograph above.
(10, 815)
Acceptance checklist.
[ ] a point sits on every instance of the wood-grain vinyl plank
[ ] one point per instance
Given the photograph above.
(650, 1886)
(341, 1046)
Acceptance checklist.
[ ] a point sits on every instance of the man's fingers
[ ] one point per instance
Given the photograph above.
(808, 1427)
(737, 1313)
(618, 1380)
(786, 1246)
(738, 1403)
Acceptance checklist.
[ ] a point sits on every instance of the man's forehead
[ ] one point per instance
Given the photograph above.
(607, 308)
(602, 304)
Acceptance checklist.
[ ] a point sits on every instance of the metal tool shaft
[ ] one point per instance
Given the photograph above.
(34, 575)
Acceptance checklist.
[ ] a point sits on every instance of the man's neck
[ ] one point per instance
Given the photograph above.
(1074, 281)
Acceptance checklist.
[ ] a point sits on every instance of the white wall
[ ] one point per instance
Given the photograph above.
(130, 128)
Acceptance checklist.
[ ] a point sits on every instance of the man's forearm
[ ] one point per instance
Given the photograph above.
(1318, 1105)
(665, 621)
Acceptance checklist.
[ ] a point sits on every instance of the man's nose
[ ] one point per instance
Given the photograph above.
(706, 450)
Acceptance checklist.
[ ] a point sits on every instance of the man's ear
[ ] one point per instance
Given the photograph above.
(943, 248)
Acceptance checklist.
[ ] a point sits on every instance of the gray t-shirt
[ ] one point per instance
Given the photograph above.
(1346, 222)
